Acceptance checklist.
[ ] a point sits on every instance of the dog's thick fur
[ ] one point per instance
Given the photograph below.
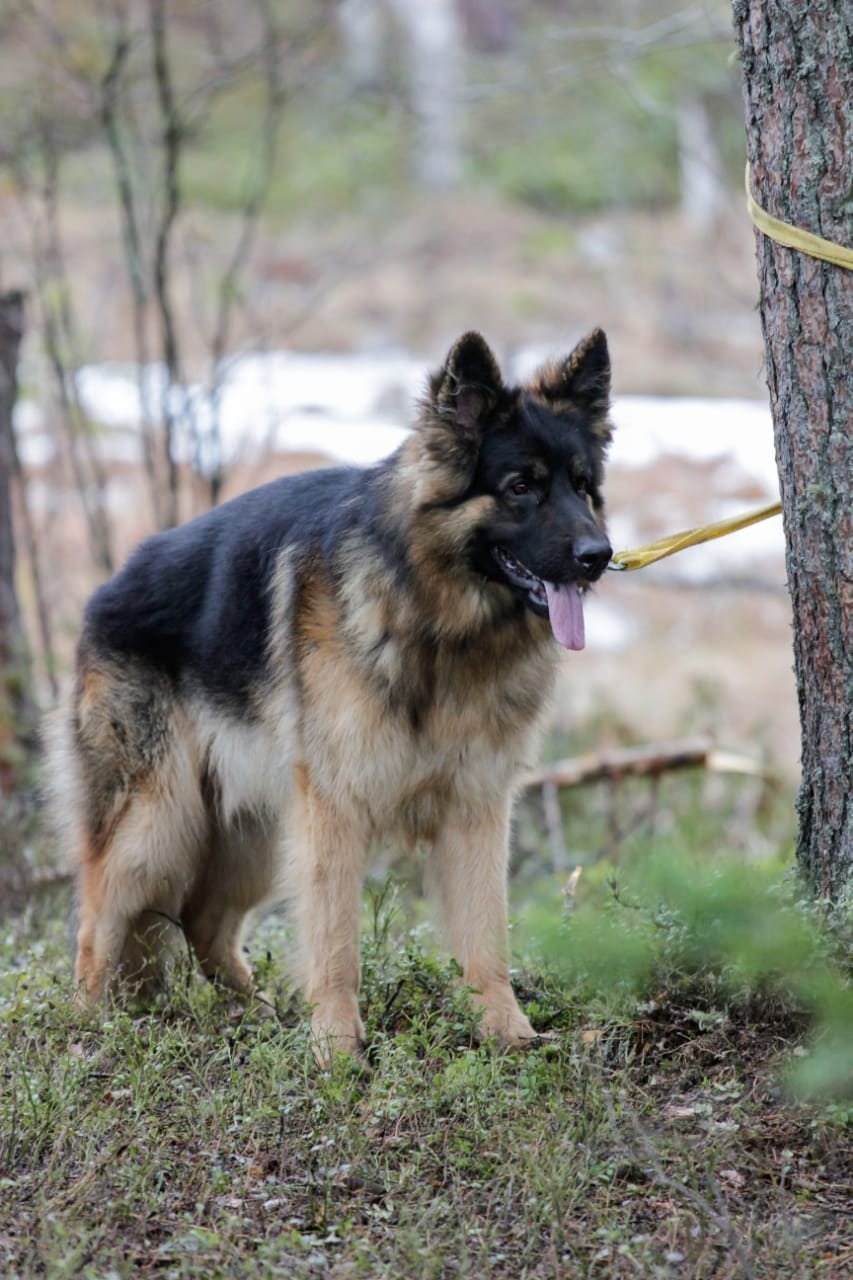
(332, 659)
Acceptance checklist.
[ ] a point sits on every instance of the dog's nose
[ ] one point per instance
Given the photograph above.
(593, 555)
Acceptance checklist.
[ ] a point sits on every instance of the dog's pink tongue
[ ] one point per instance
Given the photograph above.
(565, 611)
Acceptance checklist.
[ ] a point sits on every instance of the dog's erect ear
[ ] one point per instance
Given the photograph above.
(582, 378)
(469, 384)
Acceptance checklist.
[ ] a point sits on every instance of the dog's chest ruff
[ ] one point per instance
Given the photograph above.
(415, 731)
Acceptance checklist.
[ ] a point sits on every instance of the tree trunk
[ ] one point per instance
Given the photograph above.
(434, 52)
(703, 191)
(798, 96)
(17, 717)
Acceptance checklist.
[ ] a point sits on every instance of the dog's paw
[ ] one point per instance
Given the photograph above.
(263, 1006)
(256, 1007)
(501, 1018)
(335, 1028)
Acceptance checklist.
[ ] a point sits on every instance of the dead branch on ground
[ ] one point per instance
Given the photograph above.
(649, 760)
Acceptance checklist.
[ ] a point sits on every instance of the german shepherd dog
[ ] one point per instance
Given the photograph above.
(332, 659)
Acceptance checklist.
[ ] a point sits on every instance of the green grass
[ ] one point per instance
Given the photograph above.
(654, 1136)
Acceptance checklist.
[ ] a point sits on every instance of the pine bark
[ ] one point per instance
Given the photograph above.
(798, 97)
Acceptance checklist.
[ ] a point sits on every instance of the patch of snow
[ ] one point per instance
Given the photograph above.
(738, 430)
(334, 404)
(350, 407)
(608, 628)
(371, 392)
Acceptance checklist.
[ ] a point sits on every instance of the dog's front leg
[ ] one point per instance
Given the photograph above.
(471, 856)
(329, 853)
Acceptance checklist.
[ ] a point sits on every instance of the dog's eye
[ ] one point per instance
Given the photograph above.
(519, 488)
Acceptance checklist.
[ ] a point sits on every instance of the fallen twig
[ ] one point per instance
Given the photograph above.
(649, 760)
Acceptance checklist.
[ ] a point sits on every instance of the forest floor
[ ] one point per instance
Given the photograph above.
(650, 1138)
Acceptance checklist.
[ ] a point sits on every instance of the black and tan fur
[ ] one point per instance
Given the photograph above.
(330, 660)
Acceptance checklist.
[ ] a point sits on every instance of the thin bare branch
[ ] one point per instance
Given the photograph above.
(172, 137)
(53, 293)
(109, 113)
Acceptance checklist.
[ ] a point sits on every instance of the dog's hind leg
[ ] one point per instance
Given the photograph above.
(126, 791)
(216, 934)
(241, 873)
(133, 883)
(470, 871)
(103, 931)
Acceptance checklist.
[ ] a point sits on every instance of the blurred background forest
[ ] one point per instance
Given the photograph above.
(243, 233)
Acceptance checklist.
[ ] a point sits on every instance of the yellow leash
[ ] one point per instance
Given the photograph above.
(795, 237)
(652, 551)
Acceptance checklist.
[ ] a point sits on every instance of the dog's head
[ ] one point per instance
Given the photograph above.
(529, 464)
